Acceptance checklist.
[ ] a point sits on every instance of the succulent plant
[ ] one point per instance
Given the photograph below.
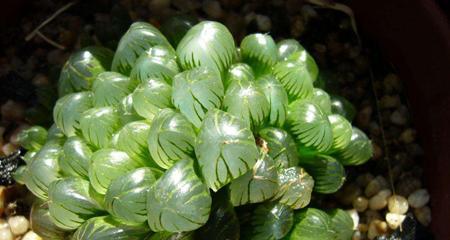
(191, 139)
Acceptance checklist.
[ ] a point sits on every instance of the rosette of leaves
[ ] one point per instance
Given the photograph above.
(110, 88)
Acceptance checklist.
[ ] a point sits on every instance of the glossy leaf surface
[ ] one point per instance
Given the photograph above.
(41, 223)
(342, 224)
(342, 106)
(287, 47)
(328, 174)
(75, 158)
(239, 72)
(98, 125)
(282, 147)
(32, 138)
(151, 96)
(177, 26)
(68, 111)
(296, 186)
(358, 151)
(110, 88)
(126, 110)
(312, 224)
(270, 221)
(322, 99)
(260, 52)
(295, 78)
(342, 132)
(277, 98)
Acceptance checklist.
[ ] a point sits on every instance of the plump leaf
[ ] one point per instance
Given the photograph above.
(239, 72)
(106, 228)
(342, 106)
(177, 26)
(246, 101)
(70, 203)
(140, 37)
(342, 132)
(225, 149)
(126, 196)
(178, 201)
(82, 68)
(295, 78)
(282, 147)
(322, 99)
(172, 236)
(126, 110)
(342, 224)
(110, 88)
(107, 165)
(98, 125)
(312, 224)
(42, 224)
(302, 57)
(197, 91)
(207, 44)
(270, 221)
(287, 47)
(32, 138)
(151, 96)
(171, 138)
(76, 157)
(158, 62)
(55, 134)
(328, 174)
(260, 52)
(257, 185)
(296, 186)
(358, 151)
(68, 110)
(310, 126)
(19, 174)
(277, 98)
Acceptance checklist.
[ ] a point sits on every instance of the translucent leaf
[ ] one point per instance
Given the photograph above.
(70, 203)
(295, 78)
(342, 132)
(177, 26)
(358, 151)
(322, 99)
(19, 174)
(171, 138)
(282, 147)
(126, 110)
(172, 236)
(140, 37)
(257, 185)
(270, 221)
(342, 106)
(197, 91)
(110, 88)
(328, 174)
(106, 228)
(178, 201)
(68, 110)
(239, 72)
(98, 125)
(260, 52)
(107, 165)
(55, 134)
(342, 224)
(126, 196)
(82, 68)
(32, 138)
(277, 97)
(76, 157)
(296, 187)
(287, 47)
(246, 101)
(225, 149)
(207, 44)
(312, 224)
(150, 97)
(158, 62)
(310, 126)
(42, 224)
(303, 58)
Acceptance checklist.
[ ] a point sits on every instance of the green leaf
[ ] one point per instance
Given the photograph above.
(287, 47)
(246, 101)
(32, 138)
(126, 196)
(76, 157)
(270, 221)
(257, 185)
(98, 126)
(342, 132)
(68, 110)
(282, 147)
(107, 165)
(171, 138)
(42, 224)
(312, 224)
(260, 52)
(225, 149)
(70, 203)
(140, 37)
(322, 99)
(177, 26)
(207, 44)
(151, 96)
(296, 187)
(358, 151)
(239, 72)
(295, 78)
(28, 156)
(82, 68)
(172, 236)
(178, 201)
(342, 224)
(303, 58)
(328, 174)
(342, 106)
(277, 98)
(110, 88)
(197, 91)
(310, 126)
(126, 110)
(106, 228)
(55, 134)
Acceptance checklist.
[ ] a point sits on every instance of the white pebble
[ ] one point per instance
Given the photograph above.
(379, 201)
(360, 203)
(398, 204)
(31, 236)
(423, 215)
(419, 198)
(19, 225)
(355, 217)
(394, 220)
(6, 234)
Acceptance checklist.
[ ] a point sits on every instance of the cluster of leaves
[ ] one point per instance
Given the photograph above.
(165, 139)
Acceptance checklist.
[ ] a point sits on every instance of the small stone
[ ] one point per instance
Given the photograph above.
(399, 116)
(2, 199)
(31, 236)
(408, 185)
(394, 220)
(40, 80)
(371, 215)
(398, 204)
(388, 101)
(379, 201)
(154, 5)
(298, 27)
(357, 235)
(362, 227)
(56, 57)
(348, 193)
(360, 203)
(377, 228)
(264, 23)
(12, 111)
(419, 198)
(6, 234)
(376, 185)
(408, 136)
(364, 116)
(18, 224)
(423, 215)
(355, 217)
(377, 151)
(364, 179)
(212, 8)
